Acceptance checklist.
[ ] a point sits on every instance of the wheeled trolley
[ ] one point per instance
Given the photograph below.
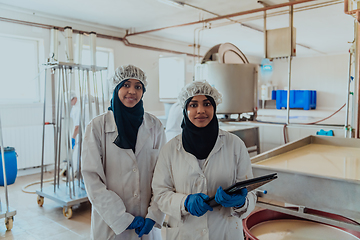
(62, 197)
(5, 210)
(69, 190)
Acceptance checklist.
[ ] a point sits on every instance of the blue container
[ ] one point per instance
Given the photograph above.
(10, 166)
(273, 95)
(305, 99)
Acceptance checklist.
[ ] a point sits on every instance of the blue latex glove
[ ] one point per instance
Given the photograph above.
(72, 143)
(149, 224)
(137, 223)
(195, 204)
(234, 200)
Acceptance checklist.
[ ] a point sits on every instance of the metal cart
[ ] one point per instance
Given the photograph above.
(5, 210)
(63, 78)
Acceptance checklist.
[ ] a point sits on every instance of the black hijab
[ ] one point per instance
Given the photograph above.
(199, 141)
(128, 120)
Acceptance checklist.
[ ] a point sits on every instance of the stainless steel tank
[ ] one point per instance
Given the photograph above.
(237, 84)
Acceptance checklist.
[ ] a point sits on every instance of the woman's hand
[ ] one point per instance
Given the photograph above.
(195, 204)
(234, 200)
(137, 224)
(149, 224)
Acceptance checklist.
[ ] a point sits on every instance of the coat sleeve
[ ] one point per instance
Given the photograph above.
(244, 171)
(108, 204)
(169, 201)
(153, 211)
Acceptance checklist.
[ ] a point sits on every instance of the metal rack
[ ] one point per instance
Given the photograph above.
(64, 76)
(5, 210)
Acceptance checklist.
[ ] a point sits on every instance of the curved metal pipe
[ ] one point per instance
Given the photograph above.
(226, 16)
(99, 35)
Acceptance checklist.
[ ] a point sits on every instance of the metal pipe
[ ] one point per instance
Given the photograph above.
(58, 132)
(278, 13)
(59, 124)
(43, 137)
(89, 95)
(96, 96)
(4, 169)
(128, 44)
(265, 35)
(69, 83)
(226, 16)
(357, 122)
(348, 97)
(357, 71)
(80, 129)
(291, 21)
(102, 91)
(53, 103)
(288, 91)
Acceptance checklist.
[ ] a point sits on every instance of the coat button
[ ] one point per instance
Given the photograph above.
(134, 169)
(204, 231)
(135, 195)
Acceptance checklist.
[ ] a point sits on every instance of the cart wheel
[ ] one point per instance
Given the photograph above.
(9, 223)
(67, 211)
(40, 200)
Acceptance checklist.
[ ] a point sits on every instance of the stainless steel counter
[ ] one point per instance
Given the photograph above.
(335, 194)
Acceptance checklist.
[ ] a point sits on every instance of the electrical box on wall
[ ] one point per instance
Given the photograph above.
(278, 43)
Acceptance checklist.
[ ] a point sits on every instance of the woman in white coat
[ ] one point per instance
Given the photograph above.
(120, 150)
(197, 164)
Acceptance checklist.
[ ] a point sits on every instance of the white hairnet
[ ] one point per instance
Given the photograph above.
(127, 72)
(198, 88)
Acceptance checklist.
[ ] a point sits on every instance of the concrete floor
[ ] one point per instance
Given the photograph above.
(32, 222)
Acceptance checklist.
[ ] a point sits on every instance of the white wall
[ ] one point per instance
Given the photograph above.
(326, 74)
(30, 114)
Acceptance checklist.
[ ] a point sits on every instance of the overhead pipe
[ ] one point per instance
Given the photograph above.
(104, 36)
(265, 15)
(128, 44)
(357, 75)
(226, 16)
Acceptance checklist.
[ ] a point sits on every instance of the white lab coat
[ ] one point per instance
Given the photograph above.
(173, 122)
(117, 181)
(178, 174)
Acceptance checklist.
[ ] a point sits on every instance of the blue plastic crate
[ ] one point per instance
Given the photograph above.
(305, 99)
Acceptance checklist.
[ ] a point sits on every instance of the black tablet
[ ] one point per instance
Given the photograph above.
(250, 184)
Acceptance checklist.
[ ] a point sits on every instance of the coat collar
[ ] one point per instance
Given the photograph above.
(218, 144)
(143, 133)
(110, 125)
(192, 159)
